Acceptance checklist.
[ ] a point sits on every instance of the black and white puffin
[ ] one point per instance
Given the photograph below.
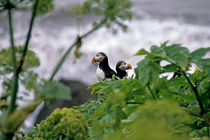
(103, 71)
(121, 68)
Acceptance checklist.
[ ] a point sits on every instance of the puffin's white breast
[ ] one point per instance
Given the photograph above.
(100, 74)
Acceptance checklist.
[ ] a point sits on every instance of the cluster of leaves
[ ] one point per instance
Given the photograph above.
(66, 123)
(44, 89)
(18, 69)
(44, 6)
(139, 107)
(113, 12)
(27, 77)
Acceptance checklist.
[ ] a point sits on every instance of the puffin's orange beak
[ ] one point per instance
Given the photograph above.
(190, 64)
(93, 60)
(129, 67)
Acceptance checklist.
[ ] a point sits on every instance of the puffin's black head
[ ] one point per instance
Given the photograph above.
(98, 57)
(123, 65)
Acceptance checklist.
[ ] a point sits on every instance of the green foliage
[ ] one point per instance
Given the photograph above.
(27, 76)
(159, 120)
(147, 71)
(63, 123)
(114, 12)
(44, 6)
(32, 132)
(15, 119)
(123, 108)
(6, 66)
(44, 89)
(53, 90)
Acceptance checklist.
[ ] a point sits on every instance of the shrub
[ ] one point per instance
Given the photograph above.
(66, 123)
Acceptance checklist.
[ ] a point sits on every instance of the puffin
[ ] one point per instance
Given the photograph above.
(121, 68)
(103, 71)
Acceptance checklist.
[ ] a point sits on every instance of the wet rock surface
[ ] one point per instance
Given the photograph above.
(79, 94)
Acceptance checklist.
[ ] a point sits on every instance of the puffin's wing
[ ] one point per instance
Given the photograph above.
(110, 73)
(100, 74)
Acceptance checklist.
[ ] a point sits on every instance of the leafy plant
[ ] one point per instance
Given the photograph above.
(137, 108)
(17, 61)
(62, 124)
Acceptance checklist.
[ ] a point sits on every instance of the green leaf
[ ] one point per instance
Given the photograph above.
(142, 52)
(31, 60)
(157, 50)
(29, 79)
(114, 12)
(177, 54)
(54, 90)
(44, 7)
(199, 53)
(147, 71)
(170, 68)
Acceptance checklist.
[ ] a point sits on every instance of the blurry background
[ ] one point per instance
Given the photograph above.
(154, 22)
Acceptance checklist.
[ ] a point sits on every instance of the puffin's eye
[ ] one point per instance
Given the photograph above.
(97, 55)
(124, 63)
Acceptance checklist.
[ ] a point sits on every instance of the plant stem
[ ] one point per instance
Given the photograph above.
(18, 70)
(13, 54)
(28, 36)
(192, 87)
(63, 58)
(151, 92)
(135, 103)
(12, 39)
(195, 92)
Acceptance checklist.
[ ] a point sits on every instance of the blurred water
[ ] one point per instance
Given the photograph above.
(154, 22)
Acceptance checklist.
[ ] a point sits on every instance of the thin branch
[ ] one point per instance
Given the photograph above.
(63, 58)
(12, 43)
(195, 92)
(28, 37)
(18, 70)
(14, 62)
(194, 89)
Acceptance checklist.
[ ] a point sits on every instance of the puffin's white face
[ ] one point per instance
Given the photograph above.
(125, 66)
(98, 58)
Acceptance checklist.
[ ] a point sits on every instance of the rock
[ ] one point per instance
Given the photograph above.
(79, 94)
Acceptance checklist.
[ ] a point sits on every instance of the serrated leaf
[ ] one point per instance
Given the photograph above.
(44, 7)
(157, 50)
(178, 54)
(31, 60)
(147, 71)
(142, 52)
(199, 53)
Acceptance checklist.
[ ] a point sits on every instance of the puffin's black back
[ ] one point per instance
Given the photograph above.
(104, 66)
(120, 73)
